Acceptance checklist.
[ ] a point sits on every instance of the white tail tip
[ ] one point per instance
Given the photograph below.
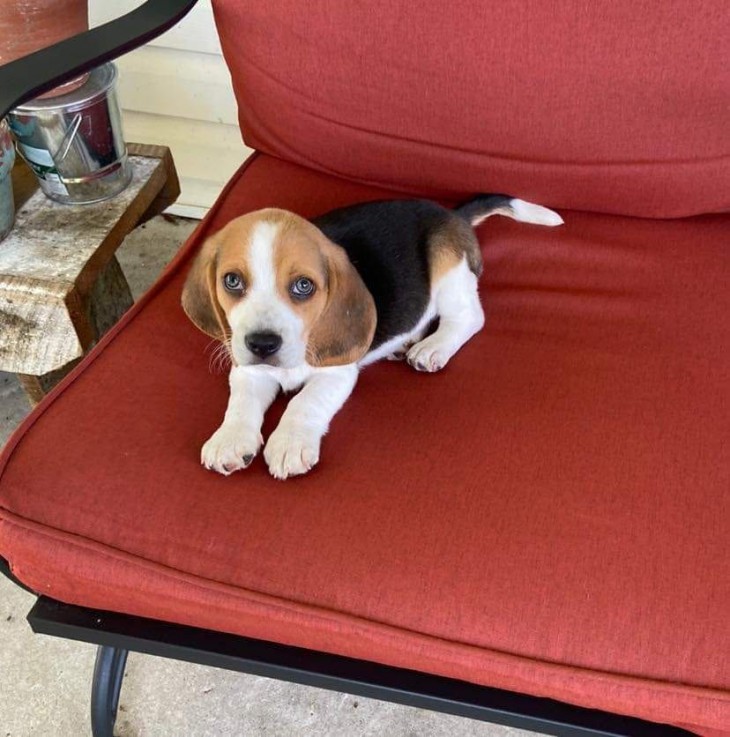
(526, 212)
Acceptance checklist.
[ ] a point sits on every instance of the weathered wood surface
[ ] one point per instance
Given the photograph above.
(110, 298)
(60, 285)
(52, 240)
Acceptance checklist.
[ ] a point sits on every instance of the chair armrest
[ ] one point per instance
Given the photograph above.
(26, 78)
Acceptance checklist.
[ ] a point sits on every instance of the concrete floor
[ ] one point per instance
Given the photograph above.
(45, 682)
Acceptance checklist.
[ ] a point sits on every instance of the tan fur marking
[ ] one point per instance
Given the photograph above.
(298, 253)
(447, 247)
(199, 297)
(344, 331)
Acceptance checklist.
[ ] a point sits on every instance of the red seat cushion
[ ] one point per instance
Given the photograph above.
(549, 514)
(618, 107)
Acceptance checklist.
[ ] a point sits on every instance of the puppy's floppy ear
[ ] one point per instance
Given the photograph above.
(344, 331)
(199, 297)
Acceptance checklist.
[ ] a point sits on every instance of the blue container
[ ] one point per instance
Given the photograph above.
(7, 159)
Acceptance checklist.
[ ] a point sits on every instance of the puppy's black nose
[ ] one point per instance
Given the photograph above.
(263, 344)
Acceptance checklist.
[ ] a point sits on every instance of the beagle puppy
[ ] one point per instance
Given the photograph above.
(307, 304)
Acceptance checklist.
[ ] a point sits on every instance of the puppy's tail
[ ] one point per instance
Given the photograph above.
(478, 209)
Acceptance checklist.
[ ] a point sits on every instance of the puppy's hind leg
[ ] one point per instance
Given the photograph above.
(460, 313)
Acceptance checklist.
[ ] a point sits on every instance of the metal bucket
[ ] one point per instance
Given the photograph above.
(74, 142)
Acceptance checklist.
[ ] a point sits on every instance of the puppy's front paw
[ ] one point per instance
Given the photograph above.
(230, 449)
(291, 452)
(428, 355)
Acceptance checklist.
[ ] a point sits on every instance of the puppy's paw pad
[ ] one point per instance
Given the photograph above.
(230, 449)
(425, 356)
(290, 453)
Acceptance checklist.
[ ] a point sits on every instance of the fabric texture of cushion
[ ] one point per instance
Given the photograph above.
(618, 107)
(549, 514)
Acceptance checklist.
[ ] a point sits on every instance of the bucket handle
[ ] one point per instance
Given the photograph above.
(67, 140)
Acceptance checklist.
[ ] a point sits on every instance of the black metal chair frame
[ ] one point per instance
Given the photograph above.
(117, 634)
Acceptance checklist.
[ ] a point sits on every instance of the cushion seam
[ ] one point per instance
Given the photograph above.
(649, 685)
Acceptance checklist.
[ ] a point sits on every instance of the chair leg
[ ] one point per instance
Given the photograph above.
(105, 688)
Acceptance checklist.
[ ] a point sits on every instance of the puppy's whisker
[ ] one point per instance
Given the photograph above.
(220, 358)
(225, 357)
(213, 342)
(212, 365)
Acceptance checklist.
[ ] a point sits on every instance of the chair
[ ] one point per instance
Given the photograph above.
(537, 536)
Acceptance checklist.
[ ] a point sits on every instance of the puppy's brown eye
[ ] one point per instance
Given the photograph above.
(233, 282)
(302, 288)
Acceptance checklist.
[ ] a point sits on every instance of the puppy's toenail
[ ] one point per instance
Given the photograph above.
(247, 458)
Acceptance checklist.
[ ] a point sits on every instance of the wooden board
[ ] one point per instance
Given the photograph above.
(54, 257)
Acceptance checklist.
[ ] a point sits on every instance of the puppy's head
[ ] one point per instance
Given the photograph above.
(282, 293)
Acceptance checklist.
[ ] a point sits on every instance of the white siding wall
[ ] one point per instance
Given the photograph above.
(176, 91)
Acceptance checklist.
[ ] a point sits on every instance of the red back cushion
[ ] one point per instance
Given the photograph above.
(619, 107)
